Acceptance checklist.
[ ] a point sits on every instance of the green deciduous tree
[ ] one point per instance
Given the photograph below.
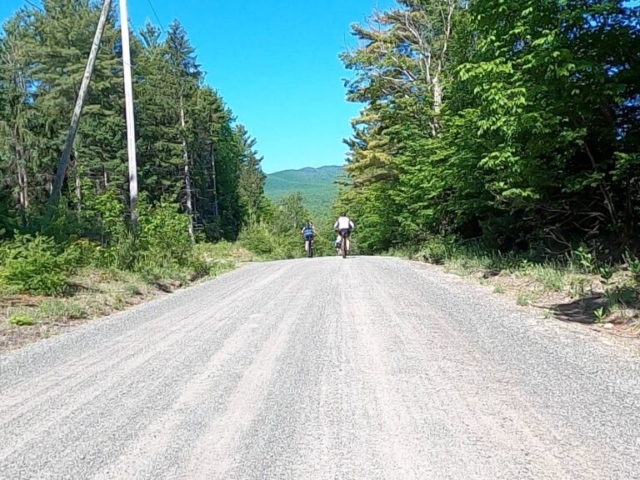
(514, 122)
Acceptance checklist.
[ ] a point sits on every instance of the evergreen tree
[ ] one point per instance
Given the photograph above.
(189, 148)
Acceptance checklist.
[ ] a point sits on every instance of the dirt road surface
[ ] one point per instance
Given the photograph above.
(364, 368)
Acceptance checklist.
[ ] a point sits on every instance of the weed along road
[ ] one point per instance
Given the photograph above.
(364, 368)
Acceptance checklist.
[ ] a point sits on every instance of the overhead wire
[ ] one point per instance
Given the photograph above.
(34, 6)
(156, 15)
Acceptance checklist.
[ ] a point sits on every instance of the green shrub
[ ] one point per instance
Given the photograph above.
(61, 227)
(109, 211)
(622, 296)
(164, 236)
(583, 260)
(37, 264)
(121, 254)
(22, 319)
(199, 268)
(260, 240)
(161, 246)
(633, 265)
(438, 249)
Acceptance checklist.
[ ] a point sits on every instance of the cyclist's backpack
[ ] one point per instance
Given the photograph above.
(308, 231)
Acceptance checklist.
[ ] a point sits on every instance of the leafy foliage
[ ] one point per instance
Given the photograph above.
(514, 123)
(36, 265)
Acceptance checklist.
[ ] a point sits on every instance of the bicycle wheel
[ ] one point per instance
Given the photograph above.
(344, 246)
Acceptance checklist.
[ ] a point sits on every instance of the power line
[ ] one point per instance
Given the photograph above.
(34, 6)
(156, 15)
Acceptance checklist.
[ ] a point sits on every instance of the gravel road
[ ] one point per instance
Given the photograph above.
(364, 368)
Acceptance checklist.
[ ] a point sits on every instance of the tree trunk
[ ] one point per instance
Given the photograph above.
(437, 105)
(187, 173)
(63, 162)
(215, 182)
(78, 183)
(23, 184)
(24, 192)
(16, 143)
(437, 96)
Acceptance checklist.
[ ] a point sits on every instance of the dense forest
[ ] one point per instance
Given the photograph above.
(199, 173)
(514, 124)
(189, 148)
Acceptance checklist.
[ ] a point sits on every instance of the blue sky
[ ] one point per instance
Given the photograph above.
(276, 64)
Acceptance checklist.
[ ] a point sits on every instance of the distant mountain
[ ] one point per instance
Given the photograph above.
(315, 184)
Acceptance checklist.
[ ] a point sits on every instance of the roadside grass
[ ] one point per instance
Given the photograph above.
(93, 292)
(577, 290)
(225, 252)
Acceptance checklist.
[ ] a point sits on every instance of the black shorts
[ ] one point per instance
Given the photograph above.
(344, 232)
(307, 238)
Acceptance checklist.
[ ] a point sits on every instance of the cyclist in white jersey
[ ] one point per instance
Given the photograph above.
(343, 226)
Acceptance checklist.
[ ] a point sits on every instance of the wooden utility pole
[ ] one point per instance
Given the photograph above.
(128, 100)
(63, 162)
(215, 181)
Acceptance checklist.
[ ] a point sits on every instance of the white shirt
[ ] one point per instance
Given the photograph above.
(344, 223)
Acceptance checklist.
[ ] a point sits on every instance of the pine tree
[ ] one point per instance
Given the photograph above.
(188, 148)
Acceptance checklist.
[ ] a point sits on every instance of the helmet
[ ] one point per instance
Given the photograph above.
(343, 214)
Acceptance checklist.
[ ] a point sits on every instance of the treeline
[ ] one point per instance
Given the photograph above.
(199, 174)
(278, 234)
(511, 123)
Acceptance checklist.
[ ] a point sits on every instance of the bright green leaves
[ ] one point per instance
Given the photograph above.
(538, 133)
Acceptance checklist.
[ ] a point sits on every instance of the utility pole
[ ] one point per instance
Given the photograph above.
(130, 119)
(215, 182)
(63, 162)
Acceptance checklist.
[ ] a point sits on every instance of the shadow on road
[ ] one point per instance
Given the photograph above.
(579, 311)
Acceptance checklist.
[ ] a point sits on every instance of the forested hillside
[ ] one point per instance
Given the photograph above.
(316, 185)
(510, 124)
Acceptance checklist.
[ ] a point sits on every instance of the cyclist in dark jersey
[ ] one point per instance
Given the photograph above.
(308, 232)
